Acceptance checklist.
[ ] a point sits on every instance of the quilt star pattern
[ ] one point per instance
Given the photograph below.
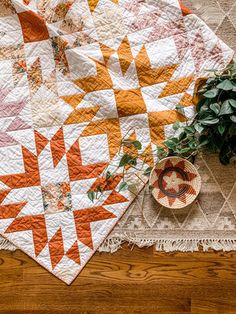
(76, 77)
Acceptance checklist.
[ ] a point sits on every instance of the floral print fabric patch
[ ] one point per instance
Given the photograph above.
(56, 198)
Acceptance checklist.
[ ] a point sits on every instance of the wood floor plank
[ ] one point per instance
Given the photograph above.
(213, 306)
(137, 281)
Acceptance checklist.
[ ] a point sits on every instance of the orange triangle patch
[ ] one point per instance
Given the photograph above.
(107, 52)
(73, 253)
(57, 147)
(56, 248)
(115, 198)
(125, 55)
(40, 141)
(11, 210)
(73, 100)
(92, 4)
(3, 194)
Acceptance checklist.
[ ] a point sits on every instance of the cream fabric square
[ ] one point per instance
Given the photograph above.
(94, 149)
(45, 113)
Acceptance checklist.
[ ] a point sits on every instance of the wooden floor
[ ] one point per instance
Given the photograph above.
(137, 281)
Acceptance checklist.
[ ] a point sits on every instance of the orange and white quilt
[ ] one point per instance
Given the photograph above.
(77, 76)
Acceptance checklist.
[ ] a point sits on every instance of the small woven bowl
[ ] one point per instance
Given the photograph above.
(176, 182)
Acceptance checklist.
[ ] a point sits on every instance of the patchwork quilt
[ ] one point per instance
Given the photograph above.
(77, 77)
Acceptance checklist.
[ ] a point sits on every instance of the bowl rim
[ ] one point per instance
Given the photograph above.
(196, 171)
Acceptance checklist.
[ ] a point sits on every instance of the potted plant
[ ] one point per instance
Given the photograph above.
(214, 125)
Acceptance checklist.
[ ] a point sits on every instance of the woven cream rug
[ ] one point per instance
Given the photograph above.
(211, 221)
(220, 16)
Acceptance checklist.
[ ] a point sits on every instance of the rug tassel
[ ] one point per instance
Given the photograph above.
(6, 245)
(182, 245)
(111, 245)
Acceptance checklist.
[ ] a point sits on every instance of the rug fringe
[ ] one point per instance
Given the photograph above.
(113, 244)
(6, 245)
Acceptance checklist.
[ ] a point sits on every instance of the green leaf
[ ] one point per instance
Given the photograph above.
(209, 121)
(174, 140)
(171, 143)
(192, 144)
(179, 107)
(133, 162)
(148, 171)
(137, 144)
(91, 195)
(203, 140)
(211, 93)
(231, 66)
(201, 103)
(123, 186)
(185, 150)
(234, 74)
(160, 149)
(125, 159)
(215, 108)
(189, 129)
(233, 118)
(226, 108)
(99, 189)
(176, 126)
(232, 102)
(182, 135)
(206, 114)
(221, 128)
(109, 175)
(161, 152)
(211, 80)
(225, 85)
(204, 109)
(198, 127)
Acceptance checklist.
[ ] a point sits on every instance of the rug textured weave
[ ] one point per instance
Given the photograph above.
(220, 16)
(210, 223)
(76, 77)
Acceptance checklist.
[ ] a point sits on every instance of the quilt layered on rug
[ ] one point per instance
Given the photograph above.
(77, 77)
